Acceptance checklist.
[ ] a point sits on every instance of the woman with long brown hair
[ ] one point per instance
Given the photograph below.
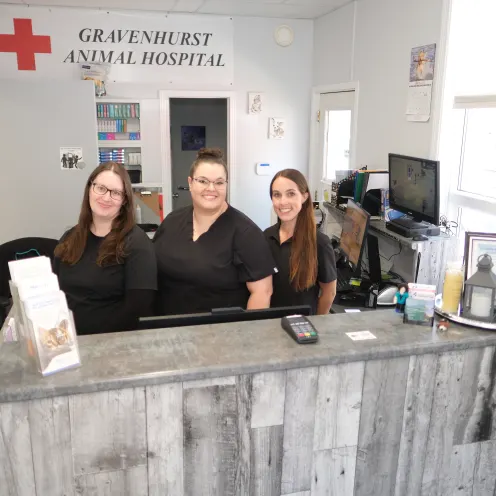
(106, 263)
(304, 256)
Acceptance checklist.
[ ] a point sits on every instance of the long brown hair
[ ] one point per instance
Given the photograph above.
(210, 156)
(303, 258)
(112, 249)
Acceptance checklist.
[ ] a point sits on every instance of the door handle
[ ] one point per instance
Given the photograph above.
(183, 188)
(175, 195)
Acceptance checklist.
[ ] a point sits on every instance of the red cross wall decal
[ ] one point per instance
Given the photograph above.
(25, 44)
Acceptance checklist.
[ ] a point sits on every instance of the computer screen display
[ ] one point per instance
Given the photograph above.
(414, 187)
(355, 225)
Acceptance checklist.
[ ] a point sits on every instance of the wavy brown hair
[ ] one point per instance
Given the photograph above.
(112, 250)
(210, 156)
(303, 258)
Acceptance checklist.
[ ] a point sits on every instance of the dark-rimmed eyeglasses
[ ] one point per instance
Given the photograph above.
(205, 183)
(115, 194)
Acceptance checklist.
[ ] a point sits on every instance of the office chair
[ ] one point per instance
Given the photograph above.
(19, 249)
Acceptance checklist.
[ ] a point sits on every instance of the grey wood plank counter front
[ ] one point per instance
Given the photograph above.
(241, 409)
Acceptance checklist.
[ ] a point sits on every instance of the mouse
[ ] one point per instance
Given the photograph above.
(420, 237)
(386, 296)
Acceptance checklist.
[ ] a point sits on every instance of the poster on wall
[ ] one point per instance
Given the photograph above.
(422, 64)
(193, 138)
(255, 103)
(71, 158)
(277, 128)
(139, 47)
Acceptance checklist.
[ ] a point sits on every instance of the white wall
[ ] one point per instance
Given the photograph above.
(333, 45)
(37, 197)
(385, 31)
(285, 76)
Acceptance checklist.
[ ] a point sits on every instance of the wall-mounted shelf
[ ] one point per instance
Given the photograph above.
(119, 144)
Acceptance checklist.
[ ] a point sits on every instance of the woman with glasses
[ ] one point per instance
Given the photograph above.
(304, 256)
(210, 255)
(106, 263)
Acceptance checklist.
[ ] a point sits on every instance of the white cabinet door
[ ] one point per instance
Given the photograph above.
(38, 197)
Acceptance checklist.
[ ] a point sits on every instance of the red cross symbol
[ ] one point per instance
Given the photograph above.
(25, 44)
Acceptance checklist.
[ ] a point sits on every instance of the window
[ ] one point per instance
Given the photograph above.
(338, 136)
(469, 162)
(478, 156)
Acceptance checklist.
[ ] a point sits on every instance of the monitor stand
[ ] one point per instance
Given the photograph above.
(408, 227)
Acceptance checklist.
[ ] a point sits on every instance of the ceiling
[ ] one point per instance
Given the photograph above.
(291, 9)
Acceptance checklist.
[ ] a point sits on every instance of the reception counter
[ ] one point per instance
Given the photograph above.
(241, 409)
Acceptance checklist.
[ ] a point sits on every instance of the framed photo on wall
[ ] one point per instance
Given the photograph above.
(193, 138)
(255, 103)
(477, 244)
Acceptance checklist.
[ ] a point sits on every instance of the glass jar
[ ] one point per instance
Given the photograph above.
(452, 288)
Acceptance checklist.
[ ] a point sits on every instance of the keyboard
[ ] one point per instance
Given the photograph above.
(343, 283)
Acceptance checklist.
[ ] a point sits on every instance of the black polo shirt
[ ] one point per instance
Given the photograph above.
(211, 272)
(284, 294)
(96, 294)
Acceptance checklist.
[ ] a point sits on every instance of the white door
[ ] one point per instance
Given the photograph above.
(194, 123)
(336, 117)
(37, 197)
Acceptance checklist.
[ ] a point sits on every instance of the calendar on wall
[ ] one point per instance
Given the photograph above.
(422, 63)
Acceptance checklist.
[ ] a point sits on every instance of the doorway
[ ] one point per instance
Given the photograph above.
(194, 123)
(333, 134)
(191, 120)
(335, 137)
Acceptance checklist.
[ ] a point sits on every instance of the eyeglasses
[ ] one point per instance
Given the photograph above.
(115, 194)
(204, 182)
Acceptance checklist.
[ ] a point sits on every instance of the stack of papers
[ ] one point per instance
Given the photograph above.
(43, 321)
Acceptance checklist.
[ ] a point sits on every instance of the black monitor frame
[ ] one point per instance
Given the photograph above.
(356, 267)
(221, 316)
(417, 216)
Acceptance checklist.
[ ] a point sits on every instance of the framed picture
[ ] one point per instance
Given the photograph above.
(477, 244)
(193, 138)
(255, 103)
(277, 128)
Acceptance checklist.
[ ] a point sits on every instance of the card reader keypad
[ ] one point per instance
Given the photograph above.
(300, 329)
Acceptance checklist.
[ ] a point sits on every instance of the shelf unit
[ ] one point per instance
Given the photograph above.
(120, 119)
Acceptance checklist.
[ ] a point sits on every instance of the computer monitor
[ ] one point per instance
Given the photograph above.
(355, 229)
(220, 316)
(414, 187)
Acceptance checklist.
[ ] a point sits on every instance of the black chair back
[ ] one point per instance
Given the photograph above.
(18, 249)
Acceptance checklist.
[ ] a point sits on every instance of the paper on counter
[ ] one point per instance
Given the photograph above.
(360, 335)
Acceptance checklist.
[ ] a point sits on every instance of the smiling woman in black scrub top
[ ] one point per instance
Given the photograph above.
(304, 256)
(106, 263)
(210, 255)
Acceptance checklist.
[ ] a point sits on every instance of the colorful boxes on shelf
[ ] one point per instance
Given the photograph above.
(116, 155)
(118, 110)
(111, 136)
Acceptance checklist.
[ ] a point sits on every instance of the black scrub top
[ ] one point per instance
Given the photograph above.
(283, 294)
(211, 272)
(95, 294)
